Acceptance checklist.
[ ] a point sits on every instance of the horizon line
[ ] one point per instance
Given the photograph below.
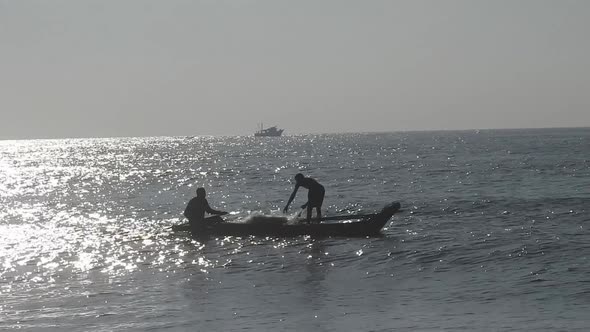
(293, 134)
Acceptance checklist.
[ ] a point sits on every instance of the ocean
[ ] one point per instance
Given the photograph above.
(493, 234)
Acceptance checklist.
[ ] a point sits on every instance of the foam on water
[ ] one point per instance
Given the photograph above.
(258, 218)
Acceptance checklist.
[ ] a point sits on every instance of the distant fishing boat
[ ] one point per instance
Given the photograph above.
(268, 132)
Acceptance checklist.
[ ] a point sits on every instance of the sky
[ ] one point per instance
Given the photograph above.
(108, 68)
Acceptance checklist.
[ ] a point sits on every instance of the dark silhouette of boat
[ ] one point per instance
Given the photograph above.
(365, 225)
(269, 132)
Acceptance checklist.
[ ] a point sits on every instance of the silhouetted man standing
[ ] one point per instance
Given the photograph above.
(315, 195)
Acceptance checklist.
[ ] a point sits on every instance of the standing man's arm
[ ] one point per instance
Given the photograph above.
(291, 198)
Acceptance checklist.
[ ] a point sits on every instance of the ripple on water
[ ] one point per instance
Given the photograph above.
(84, 228)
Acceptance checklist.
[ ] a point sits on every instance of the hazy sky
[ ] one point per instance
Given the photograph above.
(83, 68)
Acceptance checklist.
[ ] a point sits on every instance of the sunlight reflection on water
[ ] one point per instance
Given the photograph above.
(86, 222)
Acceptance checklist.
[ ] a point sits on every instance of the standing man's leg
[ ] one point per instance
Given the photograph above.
(318, 204)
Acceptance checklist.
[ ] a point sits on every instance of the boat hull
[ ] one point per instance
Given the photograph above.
(273, 134)
(369, 225)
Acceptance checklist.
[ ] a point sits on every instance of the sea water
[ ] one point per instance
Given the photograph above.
(493, 235)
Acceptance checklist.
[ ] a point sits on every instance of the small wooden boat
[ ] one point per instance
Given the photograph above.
(353, 226)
